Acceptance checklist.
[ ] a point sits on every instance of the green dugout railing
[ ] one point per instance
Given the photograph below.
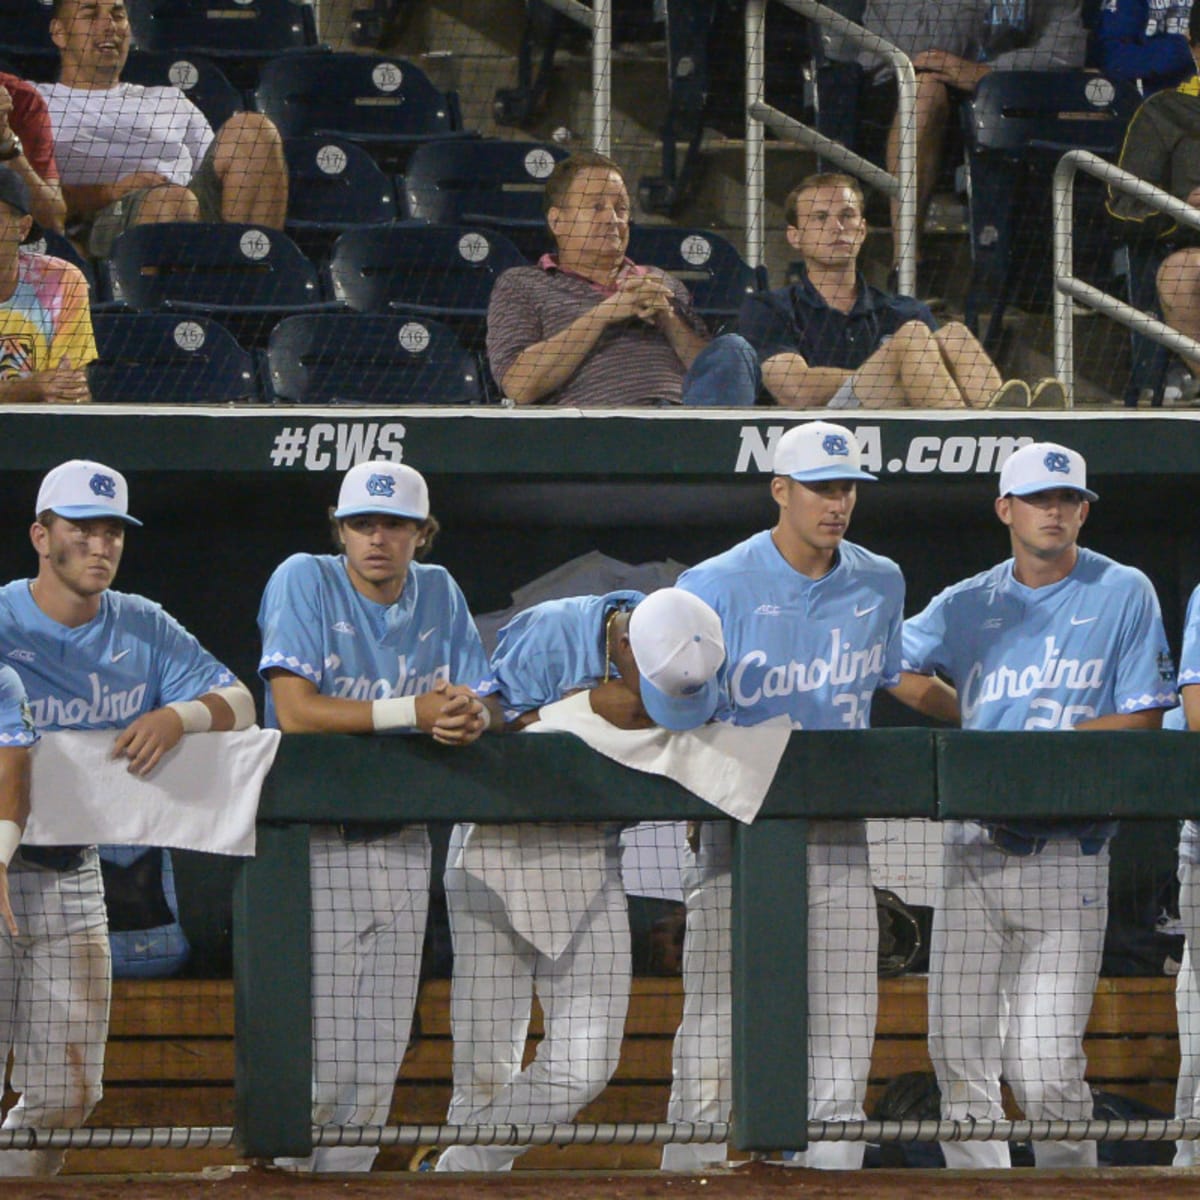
(554, 777)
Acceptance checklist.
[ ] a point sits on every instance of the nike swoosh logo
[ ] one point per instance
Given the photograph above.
(862, 612)
(118, 656)
(422, 636)
(1083, 620)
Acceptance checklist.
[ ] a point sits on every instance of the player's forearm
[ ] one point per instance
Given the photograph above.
(545, 366)
(325, 714)
(929, 695)
(794, 384)
(1148, 718)
(15, 769)
(231, 707)
(1190, 698)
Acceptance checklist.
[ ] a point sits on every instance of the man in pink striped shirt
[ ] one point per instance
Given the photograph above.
(588, 328)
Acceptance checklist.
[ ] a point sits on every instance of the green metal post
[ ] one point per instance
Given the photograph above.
(272, 997)
(770, 985)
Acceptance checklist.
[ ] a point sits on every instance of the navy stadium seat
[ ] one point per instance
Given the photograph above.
(25, 39)
(161, 358)
(491, 183)
(440, 271)
(243, 275)
(360, 358)
(707, 264)
(243, 34)
(333, 185)
(199, 78)
(1016, 126)
(387, 104)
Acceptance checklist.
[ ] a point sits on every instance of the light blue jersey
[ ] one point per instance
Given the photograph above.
(130, 659)
(1046, 658)
(16, 721)
(1052, 657)
(551, 649)
(1189, 676)
(316, 625)
(813, 650)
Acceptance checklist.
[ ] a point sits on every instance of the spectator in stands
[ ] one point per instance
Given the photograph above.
(1143, 41)
(831, 339)
(1162, 146)
(45, 323)
(27, 146)
(588, 328)
(953, 45)
(133, 155)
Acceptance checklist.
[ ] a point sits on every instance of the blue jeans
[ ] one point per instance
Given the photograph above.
(725, 374)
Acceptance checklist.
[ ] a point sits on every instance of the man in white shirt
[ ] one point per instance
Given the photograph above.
(132, 155)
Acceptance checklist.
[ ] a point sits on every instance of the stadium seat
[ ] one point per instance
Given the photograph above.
(199, 78)
(359, 358)
(1017, 125)
(243, 35)
(387, 104)
(159, 358)
(440, 271)
(244, 276)
(333, 185)
(25, 39)
(492, 183)
(707, 264)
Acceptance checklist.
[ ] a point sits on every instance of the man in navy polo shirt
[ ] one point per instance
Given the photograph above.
(831, 340)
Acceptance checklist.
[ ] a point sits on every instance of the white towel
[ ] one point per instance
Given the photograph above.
(202, 796)
(730, 766)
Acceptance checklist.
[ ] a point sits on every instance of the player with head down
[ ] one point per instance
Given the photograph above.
(1055, 637)
(89, 658)
(368, 641)
(812, 628)
(643, 661)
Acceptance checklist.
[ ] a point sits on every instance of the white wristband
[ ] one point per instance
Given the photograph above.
(398, 712)
(486, 714)
(10, 839)
(195, 715)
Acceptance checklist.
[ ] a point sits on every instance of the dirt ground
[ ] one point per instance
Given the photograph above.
(751, 1182)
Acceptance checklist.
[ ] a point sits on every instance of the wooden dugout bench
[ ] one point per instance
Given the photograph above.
(170, 1062)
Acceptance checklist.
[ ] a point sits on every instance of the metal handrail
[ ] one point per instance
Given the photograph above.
(597, 19)
(1068, 287)
(758, 113)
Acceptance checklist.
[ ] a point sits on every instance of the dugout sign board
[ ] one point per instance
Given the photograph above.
(579, 443)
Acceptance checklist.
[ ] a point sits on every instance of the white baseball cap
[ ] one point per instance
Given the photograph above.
(383, 487)
(1042, 467)
(81, 489)
(678, 647)
(819, 450)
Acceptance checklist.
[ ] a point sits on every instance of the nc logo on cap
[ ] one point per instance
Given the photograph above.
(103, 485)
(1055, 460)
(835, 443)
(381, 485)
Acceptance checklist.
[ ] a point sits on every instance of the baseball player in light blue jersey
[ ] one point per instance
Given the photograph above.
(1056, 637)
(1187, 983)
(812, 627)
(368, 641)
(17, 735)
(89, 658)
(643, 661)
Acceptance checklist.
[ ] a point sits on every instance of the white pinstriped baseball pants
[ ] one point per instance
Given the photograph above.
(584, 995)
(843, 942)
(1187, 1006)
(1014, 959)
(369, 904)
(55, 988)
